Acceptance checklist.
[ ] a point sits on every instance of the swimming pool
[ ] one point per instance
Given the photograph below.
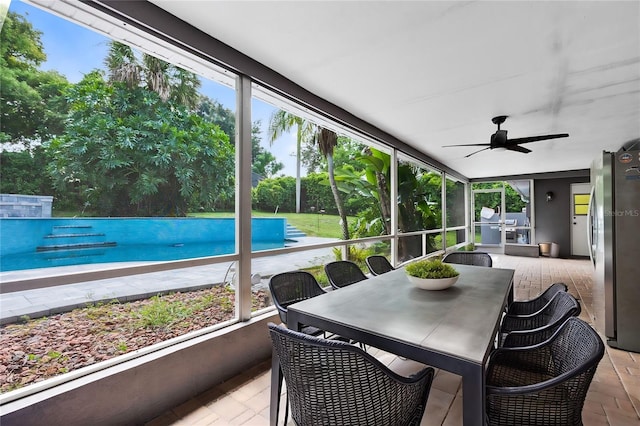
(31, 243)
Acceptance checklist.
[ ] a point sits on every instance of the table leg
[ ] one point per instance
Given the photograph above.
(276, 389)
(473, 397)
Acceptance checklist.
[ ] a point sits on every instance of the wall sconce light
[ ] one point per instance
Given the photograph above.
(549, 196)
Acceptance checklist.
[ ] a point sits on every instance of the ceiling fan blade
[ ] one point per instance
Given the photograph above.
(518, 148)
(518, 141)
(475, 152)
(469, 144)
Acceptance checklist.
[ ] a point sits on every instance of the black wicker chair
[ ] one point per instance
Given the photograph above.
(527, 330)
(527, 307)
(342, 273)
(476, 258)
(544, 384)
(291, 287)
(378, 265)
(335, 383)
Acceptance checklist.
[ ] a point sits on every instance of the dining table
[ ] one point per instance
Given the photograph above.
(453, 329)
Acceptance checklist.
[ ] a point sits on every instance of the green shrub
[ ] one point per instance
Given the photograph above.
(274, 193)
(431, 269)
(161, 313)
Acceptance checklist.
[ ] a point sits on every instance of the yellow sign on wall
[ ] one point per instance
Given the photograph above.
(580, 204)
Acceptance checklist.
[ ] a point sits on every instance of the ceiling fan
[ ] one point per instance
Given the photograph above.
(499, 139)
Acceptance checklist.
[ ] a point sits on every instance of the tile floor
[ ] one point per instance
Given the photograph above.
(613, 398)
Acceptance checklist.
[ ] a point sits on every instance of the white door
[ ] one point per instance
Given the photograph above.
(580, 193)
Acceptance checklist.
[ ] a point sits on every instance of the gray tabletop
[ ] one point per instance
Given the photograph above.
(460, 321)
(452, 329)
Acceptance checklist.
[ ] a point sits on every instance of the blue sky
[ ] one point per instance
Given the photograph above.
(74, 51)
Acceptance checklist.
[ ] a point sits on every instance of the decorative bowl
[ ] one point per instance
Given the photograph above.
(433, 283)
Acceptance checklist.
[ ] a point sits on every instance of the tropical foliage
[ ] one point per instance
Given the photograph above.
(20, 172)
(137, 139)
(132, 154)
(276, 194)
(33, 105)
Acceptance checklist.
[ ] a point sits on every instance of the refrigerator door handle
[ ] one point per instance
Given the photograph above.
(590, 224)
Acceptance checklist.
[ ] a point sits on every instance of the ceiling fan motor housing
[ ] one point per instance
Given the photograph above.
(499, 139)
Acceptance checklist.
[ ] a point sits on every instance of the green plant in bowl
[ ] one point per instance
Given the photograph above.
(432, 274)
(431, 269)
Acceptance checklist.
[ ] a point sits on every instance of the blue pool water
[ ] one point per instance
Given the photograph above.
(125, 253)
(31, 243)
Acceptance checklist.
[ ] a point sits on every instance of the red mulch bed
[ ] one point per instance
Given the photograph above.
(42, 348)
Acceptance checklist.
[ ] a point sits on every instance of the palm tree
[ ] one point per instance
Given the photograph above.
(184, 87)
(122, 65)
(378, 168)
(281, 122)
(157, 76)
(167, 80)
(327, 141)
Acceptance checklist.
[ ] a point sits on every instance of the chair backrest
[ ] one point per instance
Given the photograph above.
(476, 258)
(574, 347)
(547, 383)
(342, 273)
(534, 305)
(378, 265)
(551, 291)
(333, 382)
(561, 306)
(291, 287)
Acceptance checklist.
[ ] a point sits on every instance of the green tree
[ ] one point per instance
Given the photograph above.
(263, 162)
(281, 122)
(20, 172)
(418, 205)
(167, 80)
(33, 105)
(327, 141)
(375, 218)
(512, 199)
(346, 153)
(132, 154)
(214, 112)
(275, 194)
(317, 194)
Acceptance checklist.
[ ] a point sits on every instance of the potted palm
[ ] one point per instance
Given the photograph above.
(431, 274)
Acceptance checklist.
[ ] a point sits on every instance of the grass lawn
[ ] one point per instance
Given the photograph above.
(312, 224)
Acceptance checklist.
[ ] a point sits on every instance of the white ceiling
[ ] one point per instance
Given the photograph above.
(435, 73)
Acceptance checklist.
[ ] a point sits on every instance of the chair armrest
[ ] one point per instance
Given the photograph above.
(536, 303)
(540, 386)
(520, 338)
(512, 323)
(533, 314)
(528, 369)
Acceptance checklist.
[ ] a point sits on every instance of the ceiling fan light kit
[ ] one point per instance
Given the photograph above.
(500, 141)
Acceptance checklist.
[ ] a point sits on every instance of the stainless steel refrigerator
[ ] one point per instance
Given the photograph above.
(614, 234)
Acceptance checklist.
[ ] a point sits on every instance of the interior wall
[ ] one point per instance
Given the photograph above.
(553, 218)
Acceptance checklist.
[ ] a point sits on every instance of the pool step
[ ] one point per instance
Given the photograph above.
(71, 257)
(58, 247)
(97, 234)
(293, 232)
(73, 237)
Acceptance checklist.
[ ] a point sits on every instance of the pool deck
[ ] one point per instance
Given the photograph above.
(52, 300)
